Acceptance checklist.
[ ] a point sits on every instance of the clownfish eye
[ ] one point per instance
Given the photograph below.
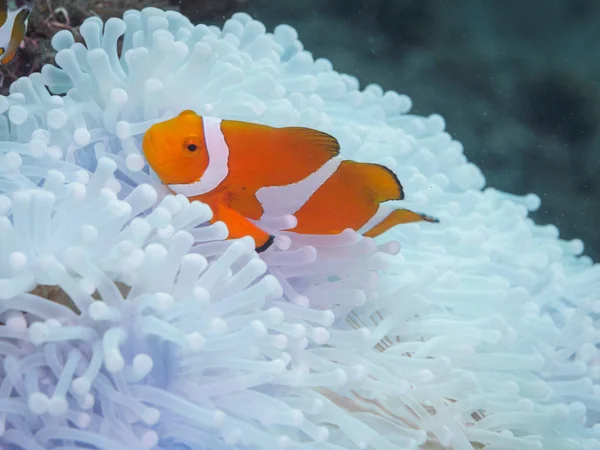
(191, 144)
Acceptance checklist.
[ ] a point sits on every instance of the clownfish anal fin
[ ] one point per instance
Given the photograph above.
(315, 139)
(398, 217)
(381, 181)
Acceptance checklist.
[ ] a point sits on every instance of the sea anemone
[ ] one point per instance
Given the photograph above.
(129, 321)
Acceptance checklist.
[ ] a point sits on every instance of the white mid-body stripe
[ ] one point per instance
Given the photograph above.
(218, 156)
(279, 201)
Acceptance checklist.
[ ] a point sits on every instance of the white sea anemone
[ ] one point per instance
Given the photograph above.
(481, 333)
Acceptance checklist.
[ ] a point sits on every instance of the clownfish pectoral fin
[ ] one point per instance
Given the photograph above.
(314, 139)
(266, 245)
(397, 217)
(17, 34)
(239, 226)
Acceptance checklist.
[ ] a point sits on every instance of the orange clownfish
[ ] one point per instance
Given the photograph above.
(13, 25)
(245, 171)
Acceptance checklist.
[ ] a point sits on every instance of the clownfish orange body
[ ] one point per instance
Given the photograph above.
(246, 171)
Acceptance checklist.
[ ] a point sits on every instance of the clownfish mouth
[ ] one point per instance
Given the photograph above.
(153, 153)
(149, 148)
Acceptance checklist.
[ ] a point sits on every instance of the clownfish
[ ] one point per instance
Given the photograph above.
(245, 171)
(13, 25)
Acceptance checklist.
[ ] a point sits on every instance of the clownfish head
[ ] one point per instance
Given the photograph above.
(176, 149)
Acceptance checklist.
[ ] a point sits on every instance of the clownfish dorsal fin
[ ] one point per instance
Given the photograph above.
(314, 138)
(383, 183)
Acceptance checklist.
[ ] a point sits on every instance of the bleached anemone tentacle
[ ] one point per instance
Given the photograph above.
(174, 344)
(481, 332)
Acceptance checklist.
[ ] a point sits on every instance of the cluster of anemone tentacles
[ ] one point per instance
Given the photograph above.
(128, 321)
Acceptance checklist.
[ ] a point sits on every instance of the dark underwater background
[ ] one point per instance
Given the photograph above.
(516, 81)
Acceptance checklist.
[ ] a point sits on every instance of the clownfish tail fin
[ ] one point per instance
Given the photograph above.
(398, 217)
(379, 180)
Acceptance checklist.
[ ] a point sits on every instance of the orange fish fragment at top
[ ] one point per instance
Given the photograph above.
(246, 171)
(13, 25)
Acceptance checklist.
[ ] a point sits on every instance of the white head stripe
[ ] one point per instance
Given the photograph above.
(218, 155)
(284, 200)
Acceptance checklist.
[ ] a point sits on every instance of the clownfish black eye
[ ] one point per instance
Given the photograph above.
(191, 144)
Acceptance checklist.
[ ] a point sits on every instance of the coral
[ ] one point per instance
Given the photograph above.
(481, 332)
